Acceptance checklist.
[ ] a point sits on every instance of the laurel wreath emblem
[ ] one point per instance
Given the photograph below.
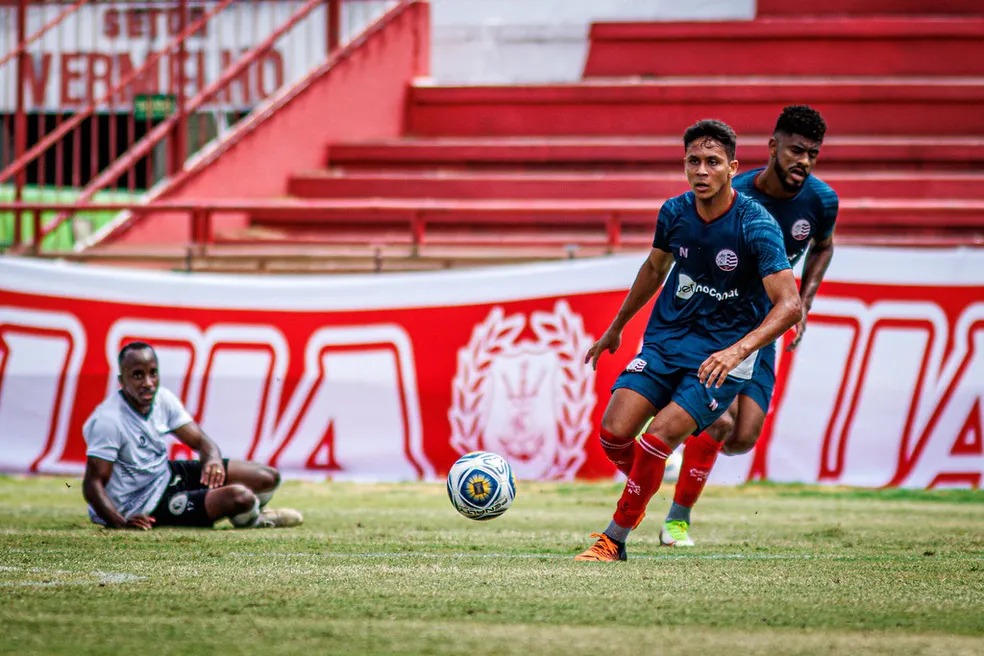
(561, 331)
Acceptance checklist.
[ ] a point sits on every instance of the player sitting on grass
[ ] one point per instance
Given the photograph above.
(806, 209)
(129, 481)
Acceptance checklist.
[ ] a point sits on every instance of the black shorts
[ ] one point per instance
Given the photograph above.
(183, 502)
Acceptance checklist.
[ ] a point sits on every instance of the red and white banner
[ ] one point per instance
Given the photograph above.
(391, 377)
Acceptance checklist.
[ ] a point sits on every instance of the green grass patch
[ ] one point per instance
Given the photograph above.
(956, 495)
(63, 238)
(392, 569)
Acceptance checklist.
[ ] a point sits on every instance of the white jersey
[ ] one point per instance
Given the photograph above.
(137, 447)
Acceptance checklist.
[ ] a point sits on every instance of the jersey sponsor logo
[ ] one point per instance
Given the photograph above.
(801, 230)
(178, 503)
(636, 366)
(527, 399)
(726, 259)
(686, 287)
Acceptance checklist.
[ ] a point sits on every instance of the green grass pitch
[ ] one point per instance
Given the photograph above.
(392, 569)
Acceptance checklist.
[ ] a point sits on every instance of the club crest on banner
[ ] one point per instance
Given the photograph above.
(529, 400)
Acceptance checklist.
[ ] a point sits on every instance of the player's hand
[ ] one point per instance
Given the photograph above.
(213, 474)
(715, 369)
(141, 522)
(610, 342)
(800, 330)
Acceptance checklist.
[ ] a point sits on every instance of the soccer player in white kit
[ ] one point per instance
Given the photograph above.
(129, 481)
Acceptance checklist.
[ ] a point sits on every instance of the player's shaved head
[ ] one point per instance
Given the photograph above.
(133, 347)
(715, 130)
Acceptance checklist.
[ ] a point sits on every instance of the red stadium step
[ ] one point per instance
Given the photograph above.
(866, 7)
(472, 185)
(595, 185)
(617, 222)
(892, 106)
(818, 46)
(640, 153)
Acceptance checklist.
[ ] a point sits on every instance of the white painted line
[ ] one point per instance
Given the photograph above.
(57, 578)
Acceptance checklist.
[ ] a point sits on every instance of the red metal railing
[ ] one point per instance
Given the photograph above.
(90, 137)
(605, 220)
(612, 224)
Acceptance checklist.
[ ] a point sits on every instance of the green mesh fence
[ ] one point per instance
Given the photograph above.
(63, 238)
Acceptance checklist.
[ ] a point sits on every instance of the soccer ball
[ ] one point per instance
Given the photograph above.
(481, 485)
(673, 464)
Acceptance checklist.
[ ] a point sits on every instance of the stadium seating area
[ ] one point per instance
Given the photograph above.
(486, 174)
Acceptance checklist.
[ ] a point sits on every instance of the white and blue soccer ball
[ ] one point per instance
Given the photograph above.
(481, 485)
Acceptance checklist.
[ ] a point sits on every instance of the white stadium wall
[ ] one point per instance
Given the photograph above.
(392, 377)
(534, 41)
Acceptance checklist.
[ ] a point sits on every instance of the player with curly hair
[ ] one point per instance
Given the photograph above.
(731, 293)
(806, 209)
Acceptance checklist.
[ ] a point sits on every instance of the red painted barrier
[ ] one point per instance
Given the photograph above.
(392, 377)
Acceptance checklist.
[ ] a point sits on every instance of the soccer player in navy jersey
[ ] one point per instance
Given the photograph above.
(731, 293)
(805, 208)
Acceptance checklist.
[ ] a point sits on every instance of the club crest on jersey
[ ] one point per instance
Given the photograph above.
(178, 503)
(801, 230)
(726, 259)
(527, 399)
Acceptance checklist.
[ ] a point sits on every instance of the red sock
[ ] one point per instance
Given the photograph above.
(619, 450)
(644, 479)
(699, 454)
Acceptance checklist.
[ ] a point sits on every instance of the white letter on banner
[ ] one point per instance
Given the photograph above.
(949, 449)
(902, 354)
(230, 377)
(40, 357)
(179, 346)
(818, 380)
(356, 408)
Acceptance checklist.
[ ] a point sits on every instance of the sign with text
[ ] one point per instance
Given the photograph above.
(102, 45)
(393, 377)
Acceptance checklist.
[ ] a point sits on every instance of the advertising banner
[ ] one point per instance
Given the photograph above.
(392, 377)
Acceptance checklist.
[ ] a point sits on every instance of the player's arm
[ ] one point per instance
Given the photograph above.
(817, 260)
(191, 434)
(647, 282)
(786, 311)
(97, 473)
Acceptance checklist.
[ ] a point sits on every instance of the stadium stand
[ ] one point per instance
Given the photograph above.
(471, 175)
(490, 153)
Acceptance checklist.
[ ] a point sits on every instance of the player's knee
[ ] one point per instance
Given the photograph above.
(722, 428)
(616, 445)
(740, 443)
(239, 498)
(269, 478)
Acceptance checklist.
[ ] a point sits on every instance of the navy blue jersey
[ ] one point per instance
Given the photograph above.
(714, 295)
(810, 214)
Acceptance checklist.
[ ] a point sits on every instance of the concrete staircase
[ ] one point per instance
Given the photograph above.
(556, 169)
